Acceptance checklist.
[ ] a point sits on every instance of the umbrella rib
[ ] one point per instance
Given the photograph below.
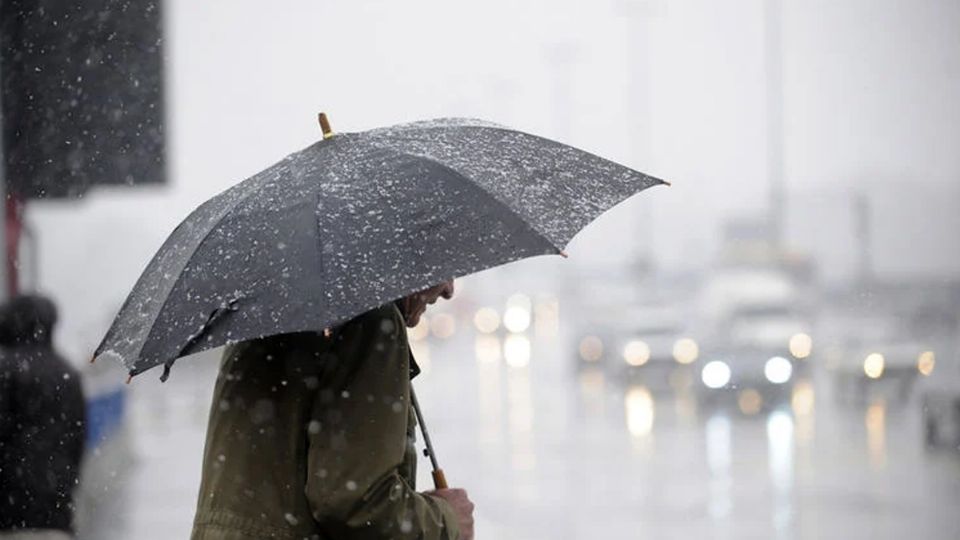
(475, 186)
(553, 142)
(481, 125)
(240, 200)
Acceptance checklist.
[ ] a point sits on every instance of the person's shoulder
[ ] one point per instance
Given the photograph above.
(385, 319)
(386, 311)
(275, 344)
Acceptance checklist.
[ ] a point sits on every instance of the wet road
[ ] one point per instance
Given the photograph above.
(549, 451)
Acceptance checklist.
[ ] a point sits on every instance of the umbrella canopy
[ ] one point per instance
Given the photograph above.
(354, 221)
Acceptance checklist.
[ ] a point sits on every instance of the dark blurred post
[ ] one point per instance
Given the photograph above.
(82, 102)
(3, 176)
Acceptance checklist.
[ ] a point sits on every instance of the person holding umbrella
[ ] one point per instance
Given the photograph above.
(311, 436)
(309, 271)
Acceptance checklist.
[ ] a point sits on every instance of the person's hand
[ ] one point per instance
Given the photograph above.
(462, 506)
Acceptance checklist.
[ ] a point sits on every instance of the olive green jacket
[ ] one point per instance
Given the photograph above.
(312, 437)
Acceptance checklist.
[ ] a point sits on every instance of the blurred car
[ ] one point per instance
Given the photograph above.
(756, 355)
(655, 349)
(875, 357)
(941, 397)
(752, 377)
(646, 344)
(886, 368)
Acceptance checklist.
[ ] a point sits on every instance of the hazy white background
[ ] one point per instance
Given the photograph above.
(675, 88)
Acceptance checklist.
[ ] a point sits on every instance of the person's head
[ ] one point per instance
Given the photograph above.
(27, 319)
(414, 305)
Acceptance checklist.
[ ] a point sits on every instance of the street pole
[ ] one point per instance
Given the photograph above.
(864, 238)
(561, 56)
(638, 15)
(774, 75)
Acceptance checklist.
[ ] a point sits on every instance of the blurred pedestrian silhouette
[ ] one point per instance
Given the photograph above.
(42, 424)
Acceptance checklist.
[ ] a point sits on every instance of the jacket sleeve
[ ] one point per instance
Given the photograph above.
(357, 439)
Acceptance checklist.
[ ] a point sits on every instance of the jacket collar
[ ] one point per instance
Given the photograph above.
(414, 366)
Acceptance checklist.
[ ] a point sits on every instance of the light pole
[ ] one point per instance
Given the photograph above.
(637, 15)
(773, 52)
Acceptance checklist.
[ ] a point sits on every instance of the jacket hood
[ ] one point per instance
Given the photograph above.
(27, 320)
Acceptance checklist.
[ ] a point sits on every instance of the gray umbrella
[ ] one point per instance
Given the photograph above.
(354, 221)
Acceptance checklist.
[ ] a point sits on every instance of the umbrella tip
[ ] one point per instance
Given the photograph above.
(129, 378)
(93, 359)
(325, 125)
(564, 254)
(667, 183)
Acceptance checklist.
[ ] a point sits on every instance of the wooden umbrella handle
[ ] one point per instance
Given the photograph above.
(325, 125)
(439, 481)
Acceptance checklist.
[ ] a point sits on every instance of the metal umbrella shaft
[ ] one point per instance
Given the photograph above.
(439, 480)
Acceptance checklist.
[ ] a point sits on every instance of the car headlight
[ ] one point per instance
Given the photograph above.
(715, 374)
(925, 362)
(685, 351)
(873, 365)
(801, 345)
(636, 353)
(591, 348)
(778, 370)
(516, 319)
(487, 320)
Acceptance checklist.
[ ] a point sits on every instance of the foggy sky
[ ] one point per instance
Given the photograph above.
(672, 88)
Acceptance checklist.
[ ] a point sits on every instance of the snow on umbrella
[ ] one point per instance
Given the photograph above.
(354, 221)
